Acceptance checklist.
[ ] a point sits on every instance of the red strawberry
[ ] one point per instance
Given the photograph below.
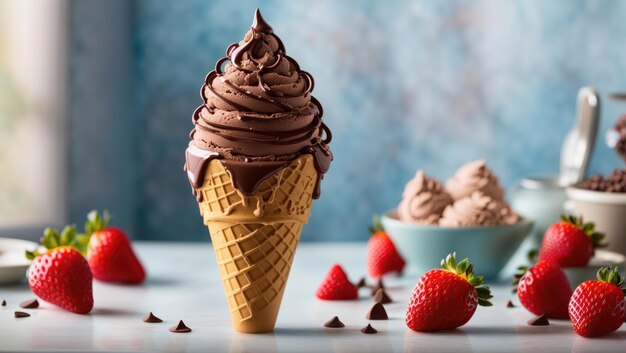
(61, 275)
(544, 289)
(570, 243)
(446, 298)
(336, 286)
(382, 256)
(110, 254)
(597, 307)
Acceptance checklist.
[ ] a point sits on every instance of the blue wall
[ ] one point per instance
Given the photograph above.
(405, 85)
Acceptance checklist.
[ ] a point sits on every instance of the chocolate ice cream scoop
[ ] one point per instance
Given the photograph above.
(474, 176)
(477, 209)
(507, 215)
(423, 200)
(258, 114)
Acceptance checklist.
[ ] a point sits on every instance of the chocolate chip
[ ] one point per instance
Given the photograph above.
(361, 283)
(540, 320)
(4, 303)
(379, 285)
(368, 329)
(334, 323)
(616, 181)
(510, 304)
(30, 304)
(382, 297)
(180, 328)
(19, 314)
(150, 318)
(377, 312)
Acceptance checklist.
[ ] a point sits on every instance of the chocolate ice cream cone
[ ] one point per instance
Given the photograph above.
(255, 163)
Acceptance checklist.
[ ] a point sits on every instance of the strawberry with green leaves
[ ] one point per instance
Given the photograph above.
(61, 275)
(382, 255)
(570, 242)
(597, 307)
(109, 252)
(446, 298)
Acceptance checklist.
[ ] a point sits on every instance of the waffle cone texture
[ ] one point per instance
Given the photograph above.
(255, 238)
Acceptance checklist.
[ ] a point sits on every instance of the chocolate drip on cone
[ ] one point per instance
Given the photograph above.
(248, 176)
(258, 115)
(195, 166)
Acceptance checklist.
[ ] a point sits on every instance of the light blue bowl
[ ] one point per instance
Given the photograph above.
(487, 248)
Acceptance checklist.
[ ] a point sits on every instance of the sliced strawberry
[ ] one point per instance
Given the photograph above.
(382, 255)
(337, 286)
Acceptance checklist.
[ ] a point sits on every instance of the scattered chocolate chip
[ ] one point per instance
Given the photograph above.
(540, 320)
(382, 297)
(180, 328)
(19, 314)
(151, 318)
(4, 303)
(377, 312)
(361, 283)
(379, 285)
(334, 323)
(368, 329)
(510, 304)
(30, 304)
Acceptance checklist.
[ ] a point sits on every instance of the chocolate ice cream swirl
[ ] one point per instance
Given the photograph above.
(474, 176)
(477, 209)
(258, 103)
(258, 109)
(423, 200)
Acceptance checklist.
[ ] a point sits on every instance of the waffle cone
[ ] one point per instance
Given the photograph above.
(255, 238)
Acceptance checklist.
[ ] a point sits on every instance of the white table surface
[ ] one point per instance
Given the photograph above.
(184, 284)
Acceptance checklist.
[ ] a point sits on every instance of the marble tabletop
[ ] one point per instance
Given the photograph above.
(184, 284)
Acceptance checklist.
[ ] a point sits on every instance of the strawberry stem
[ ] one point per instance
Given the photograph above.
(52, 239)
(376, 226)
(588, 228)
(466, 270)
(608, 275)
(68, 237)
(96, 221)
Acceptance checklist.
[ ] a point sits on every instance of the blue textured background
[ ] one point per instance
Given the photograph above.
(404, 84)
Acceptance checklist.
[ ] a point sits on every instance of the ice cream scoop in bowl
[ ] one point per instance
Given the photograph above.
(489, 247)
(469, 216)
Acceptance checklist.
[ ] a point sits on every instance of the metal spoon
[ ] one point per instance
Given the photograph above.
(578, 145)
